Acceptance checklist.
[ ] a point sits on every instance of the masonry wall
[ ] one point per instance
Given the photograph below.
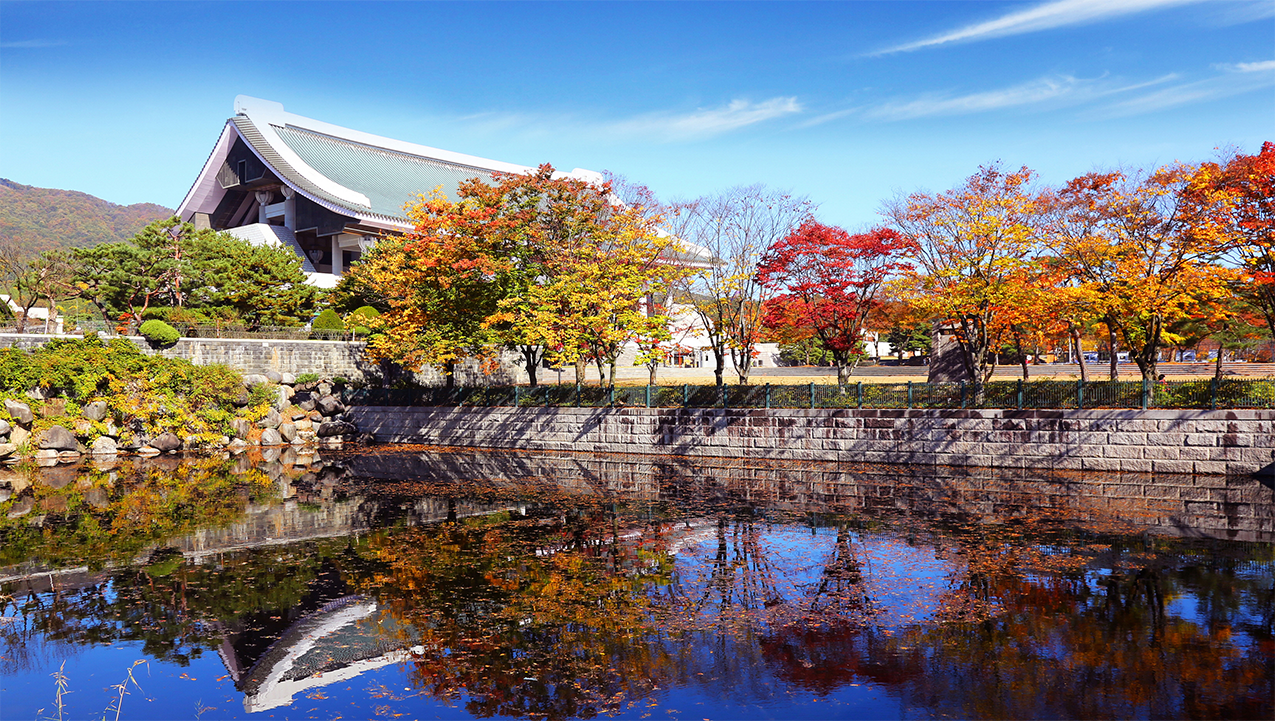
(1153, 441)
(334, 358)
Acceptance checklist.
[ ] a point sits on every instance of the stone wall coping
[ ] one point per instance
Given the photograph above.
(1155, 414)
(193, 339)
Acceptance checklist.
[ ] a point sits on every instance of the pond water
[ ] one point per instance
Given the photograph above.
(426, 583)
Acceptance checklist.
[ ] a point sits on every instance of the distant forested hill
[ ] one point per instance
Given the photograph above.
(40, 219)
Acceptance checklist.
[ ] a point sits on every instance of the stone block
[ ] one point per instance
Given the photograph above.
(1206, 467)
(1127, 439)
(1135, 465)
(1171, 466)
(1166, 439)
(1100, 464)
(1162, 453)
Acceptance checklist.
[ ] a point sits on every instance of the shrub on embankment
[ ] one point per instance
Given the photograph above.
(74, 395)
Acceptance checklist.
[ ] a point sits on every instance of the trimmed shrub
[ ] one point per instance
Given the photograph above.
(328, 321)
(357, 321)
(159, 332)
(307, 378)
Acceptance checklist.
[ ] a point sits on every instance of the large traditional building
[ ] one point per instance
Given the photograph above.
(325, 191)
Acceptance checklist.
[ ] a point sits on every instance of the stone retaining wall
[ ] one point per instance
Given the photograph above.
(1152, 441)
(325, 357)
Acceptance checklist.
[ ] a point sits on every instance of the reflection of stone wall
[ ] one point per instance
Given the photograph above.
(1214, 506)
(1152, 441)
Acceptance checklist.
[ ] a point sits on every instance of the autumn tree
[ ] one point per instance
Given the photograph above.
(972, 247)
(1248, 183)
(735, 228)
(1147, 246)
(829, 281)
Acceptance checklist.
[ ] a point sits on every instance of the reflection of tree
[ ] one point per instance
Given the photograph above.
(527, 618)
(111, 515)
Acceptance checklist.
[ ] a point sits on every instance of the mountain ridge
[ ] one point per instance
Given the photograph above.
(42, 219)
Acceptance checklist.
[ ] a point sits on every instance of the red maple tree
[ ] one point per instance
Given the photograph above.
(831, 278)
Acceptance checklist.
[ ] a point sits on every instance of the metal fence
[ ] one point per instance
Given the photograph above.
(1203, 394)
(207, 331)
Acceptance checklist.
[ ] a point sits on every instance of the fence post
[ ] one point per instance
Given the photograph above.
(648, 395)
(909, 395)
(962, 394)
(611, 395)
(1020, 394)
(517, 396)
(686, 395)
(858, 395)
(1146, 386)
(1213, 392)
(723, 396)
(577, 398)
(1080, 393)
(767, 395)
(812, 395)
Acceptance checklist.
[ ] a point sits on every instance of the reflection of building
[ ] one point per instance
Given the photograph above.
(324, 191)
(338, 641)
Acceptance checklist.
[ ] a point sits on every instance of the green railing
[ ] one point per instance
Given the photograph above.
(1203, 394)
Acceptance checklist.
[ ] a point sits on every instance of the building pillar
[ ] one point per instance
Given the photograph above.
(263, 199)
(289, 208)
(337, 257)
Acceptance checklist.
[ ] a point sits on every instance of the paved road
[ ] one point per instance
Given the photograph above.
(1127, 370)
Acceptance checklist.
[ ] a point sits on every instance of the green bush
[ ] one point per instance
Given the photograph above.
(328, 320)
(307, 378)
(157, 331)
(358, 320)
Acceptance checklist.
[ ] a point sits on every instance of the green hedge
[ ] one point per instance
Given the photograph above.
(157, 331)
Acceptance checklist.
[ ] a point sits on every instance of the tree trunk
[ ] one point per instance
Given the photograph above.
(450, 369)
(531, 354)
(1080, 353)
(652, 368)
(1217, 368)
(1018, 346)
(719, 354)
(1111, 343)
(580, 366)
(602, 376)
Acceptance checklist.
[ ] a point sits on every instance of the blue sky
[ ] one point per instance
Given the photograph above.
(848, 103)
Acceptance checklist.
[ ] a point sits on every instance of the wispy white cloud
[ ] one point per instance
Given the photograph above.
(1046, 92)
(659, 126)
(1239, 78)
(16, 44)
(705, 123)
(828, 117)
(1056, 14)
(1261, 66)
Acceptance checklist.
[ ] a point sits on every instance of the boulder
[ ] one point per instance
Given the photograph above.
(57, 438)
(287, 379)
(19, 435)
(274, 376)
(296, 412)
(335, 428)
(254, 379)
(304, 424)
(97, 498)
(22, 507)
(241, 400)
(240, 427)
(5, 428)
(287, 431)
(316, 416)
(21, 412)
(54, 407)
(7, 449)
(95, 411)
(306, 405)
(287, 393)
(330, 406)
(46, 457)
(325, 389)
(270, 437)
(104, 446)
(272, 419)
(147, 451)
(237, 445)
(83, 426)
(134, 441)
(68, 456)
(166, 442)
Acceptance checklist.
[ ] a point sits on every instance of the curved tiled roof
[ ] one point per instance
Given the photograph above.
(388, 178)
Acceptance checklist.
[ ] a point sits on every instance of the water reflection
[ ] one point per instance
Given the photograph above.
(570, 586)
